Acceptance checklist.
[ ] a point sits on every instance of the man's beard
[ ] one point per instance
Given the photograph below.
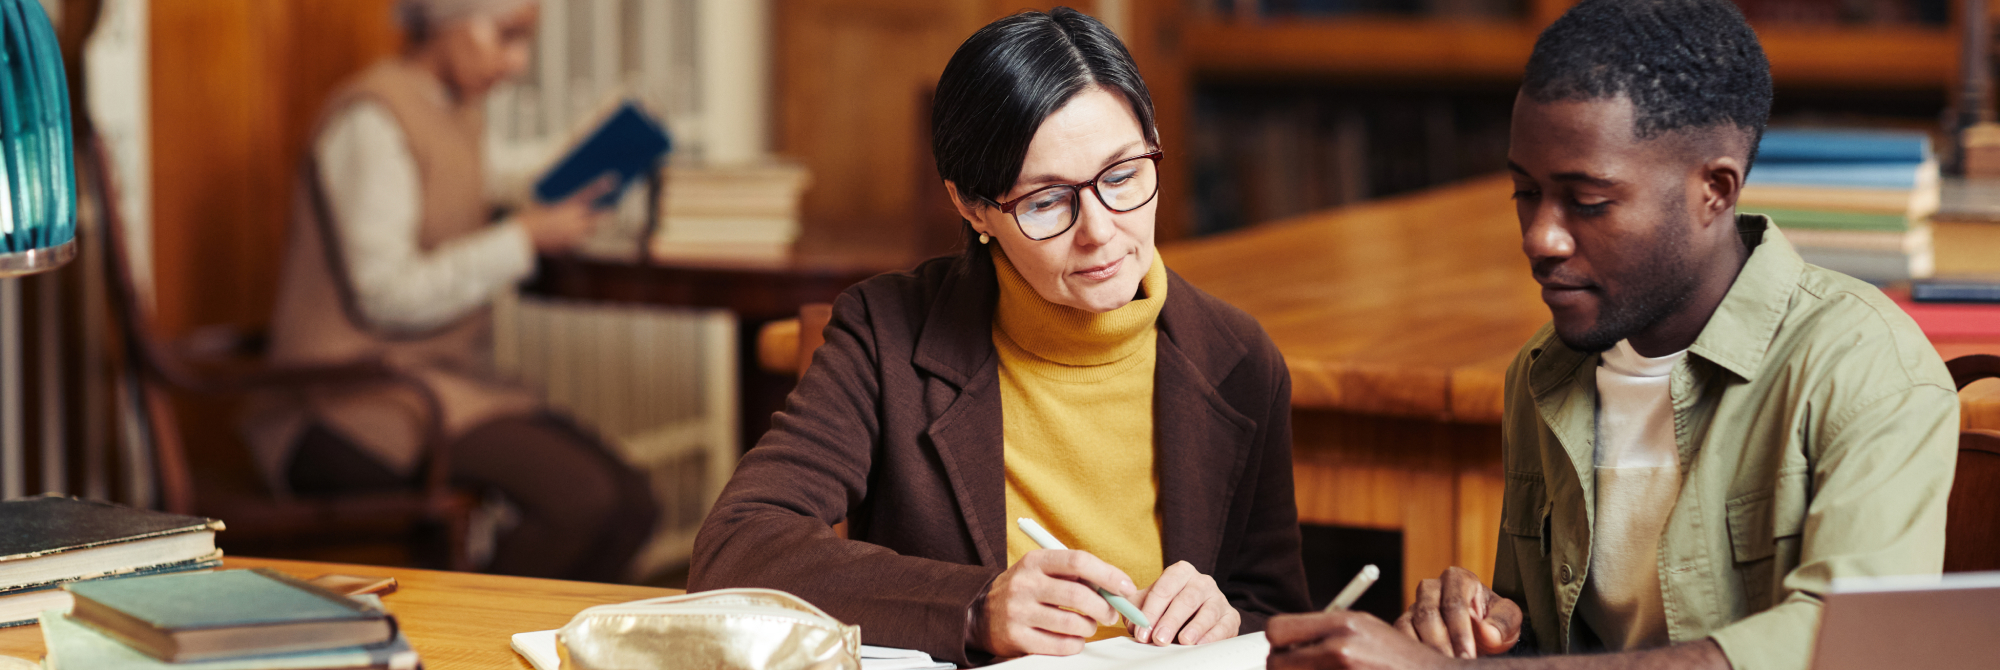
(1647, 296)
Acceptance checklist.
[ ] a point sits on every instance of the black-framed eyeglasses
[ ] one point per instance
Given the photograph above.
(1052, 210)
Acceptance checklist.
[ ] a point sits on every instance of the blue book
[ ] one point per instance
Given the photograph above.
(627, 145)
(229, 613)
(1904, 176)
(74, 646)
(1792, 145)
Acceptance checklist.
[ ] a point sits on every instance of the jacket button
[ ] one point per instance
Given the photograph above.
(1566, 574)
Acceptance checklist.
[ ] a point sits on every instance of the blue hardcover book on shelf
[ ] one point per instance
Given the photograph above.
(1798, 145)
(1844, 175)
(627, 145)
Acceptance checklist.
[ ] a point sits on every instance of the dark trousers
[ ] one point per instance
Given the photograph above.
(584, 512)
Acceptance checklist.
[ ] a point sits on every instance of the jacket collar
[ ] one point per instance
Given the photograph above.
(1739, 335)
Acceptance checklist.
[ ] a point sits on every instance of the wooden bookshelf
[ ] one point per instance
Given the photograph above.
(1374, 48)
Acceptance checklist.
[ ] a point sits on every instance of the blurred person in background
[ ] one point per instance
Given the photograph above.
(392, 256)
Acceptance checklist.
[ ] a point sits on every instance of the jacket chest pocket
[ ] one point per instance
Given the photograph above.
(1525, 511)
(1765, 528)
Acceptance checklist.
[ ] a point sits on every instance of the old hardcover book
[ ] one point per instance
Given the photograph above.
(51, 540)
(229, 613)
(75, 646)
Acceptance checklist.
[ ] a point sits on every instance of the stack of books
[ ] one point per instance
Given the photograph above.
(49, 541)
(1853, 201)
(224, 620)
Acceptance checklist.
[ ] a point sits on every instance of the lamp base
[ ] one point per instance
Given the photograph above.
(34, 261)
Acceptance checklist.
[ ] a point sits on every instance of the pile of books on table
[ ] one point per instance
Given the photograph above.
(49, 541)
(255, 619)
(1853, 201)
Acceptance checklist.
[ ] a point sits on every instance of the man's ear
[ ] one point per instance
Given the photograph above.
(1722, 183)
(965, 209)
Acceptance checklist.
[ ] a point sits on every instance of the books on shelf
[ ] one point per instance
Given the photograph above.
(72, 645)
(1853, 201)
(228, 613)
(49, 541)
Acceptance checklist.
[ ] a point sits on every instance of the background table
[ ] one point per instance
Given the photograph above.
(1398, 319)
(456, 621)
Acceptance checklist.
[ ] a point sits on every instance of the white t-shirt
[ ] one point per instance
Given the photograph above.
(1638, 481)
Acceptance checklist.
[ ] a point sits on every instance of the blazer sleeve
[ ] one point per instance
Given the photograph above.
(772, 527)
(1265, 572)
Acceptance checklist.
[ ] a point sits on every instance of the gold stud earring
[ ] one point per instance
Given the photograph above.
(983, 238)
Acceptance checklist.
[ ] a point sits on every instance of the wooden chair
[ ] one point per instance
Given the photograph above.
(786, 346)
(1972, 522)
(157, 368)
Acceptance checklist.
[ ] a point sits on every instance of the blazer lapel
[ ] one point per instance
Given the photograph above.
(1201, 443)
(956, 348)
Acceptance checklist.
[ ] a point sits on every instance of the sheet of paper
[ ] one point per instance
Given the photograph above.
(539, 647)
(1243, 652)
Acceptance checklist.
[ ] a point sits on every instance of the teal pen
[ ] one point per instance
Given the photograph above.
(1042, 537)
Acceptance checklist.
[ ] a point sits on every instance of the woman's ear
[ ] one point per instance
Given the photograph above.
(965, 209)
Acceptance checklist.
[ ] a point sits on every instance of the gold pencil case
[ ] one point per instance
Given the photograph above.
(730, 629)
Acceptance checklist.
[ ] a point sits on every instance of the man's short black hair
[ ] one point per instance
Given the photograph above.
(1683, 63)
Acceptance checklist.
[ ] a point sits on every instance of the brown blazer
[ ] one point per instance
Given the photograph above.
(896, 429)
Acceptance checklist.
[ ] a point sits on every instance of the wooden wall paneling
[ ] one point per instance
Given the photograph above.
(851, 78)
(235, 88)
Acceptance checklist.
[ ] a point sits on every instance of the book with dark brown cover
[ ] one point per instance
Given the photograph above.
(52, 539)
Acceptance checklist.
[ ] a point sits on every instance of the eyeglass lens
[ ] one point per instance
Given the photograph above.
(1123, 187)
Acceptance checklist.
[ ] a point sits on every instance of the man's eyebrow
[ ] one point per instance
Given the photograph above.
(1120, 153)
(1570, 177)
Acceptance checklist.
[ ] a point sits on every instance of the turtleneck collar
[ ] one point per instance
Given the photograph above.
(1070, 336)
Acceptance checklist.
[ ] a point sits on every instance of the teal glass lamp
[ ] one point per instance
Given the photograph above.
(37, 157)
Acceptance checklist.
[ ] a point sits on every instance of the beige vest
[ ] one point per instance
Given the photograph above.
(316, 321)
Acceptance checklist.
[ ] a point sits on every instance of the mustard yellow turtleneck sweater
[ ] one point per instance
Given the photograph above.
(1076, 401)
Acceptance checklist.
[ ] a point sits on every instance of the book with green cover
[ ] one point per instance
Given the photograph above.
(74, 646)
(208, 615)
(1832, 220)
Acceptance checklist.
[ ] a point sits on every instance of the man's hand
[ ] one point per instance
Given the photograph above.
(559, 227)
(1186, 606)
(1462, 618)
(1331, 640)
(1046, 604)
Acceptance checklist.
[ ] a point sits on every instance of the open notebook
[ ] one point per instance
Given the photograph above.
(539, 647)
(1244, 652)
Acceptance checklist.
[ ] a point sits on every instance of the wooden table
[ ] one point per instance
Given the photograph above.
(456, 621)
(1398, 319)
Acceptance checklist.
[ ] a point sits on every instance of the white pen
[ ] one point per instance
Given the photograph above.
(1047, 541)
(1362, 581)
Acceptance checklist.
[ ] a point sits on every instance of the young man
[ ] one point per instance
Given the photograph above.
(1711, 430)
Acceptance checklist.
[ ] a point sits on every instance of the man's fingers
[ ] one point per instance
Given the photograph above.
(1458, 620)
(1058, 621)
(1429, 626)
(592, 191)
(1501, 629)
(1287, 630)
(1403, 624)
(1167, 628)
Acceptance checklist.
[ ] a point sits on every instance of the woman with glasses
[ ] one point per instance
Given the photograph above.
(1057, 371)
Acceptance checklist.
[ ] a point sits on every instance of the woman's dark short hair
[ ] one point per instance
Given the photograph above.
(1008, 78)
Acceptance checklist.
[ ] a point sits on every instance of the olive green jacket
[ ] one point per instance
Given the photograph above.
(1817, 431)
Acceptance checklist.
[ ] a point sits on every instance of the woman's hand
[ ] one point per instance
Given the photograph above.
(562, 226)
(1187, 607)
(1046, 604)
